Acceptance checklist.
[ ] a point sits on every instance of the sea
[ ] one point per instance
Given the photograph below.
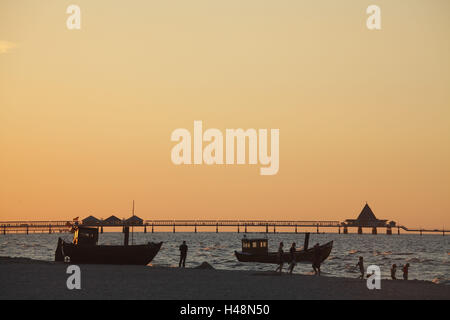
(427, 255)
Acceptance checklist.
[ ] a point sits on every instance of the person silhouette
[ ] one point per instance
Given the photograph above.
(393, 272)
(280, 258)
(405, 271)
(183, 254)
(361, 267)
(316, 259)
(292, 252)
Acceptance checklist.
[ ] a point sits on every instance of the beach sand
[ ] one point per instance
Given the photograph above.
(30, 279)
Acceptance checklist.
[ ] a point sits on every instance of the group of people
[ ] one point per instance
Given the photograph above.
(316, 259)
(315, 265)
(405, 270)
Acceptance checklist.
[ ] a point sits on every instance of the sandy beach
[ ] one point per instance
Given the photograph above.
(31, 279)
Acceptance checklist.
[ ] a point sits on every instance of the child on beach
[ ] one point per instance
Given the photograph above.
(361, 267)
(405, 271)
(280, 258)
(393, 271)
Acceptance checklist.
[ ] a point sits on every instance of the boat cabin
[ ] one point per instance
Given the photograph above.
(85, 235)
(258, 246)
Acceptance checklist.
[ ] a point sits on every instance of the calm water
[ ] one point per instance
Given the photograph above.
(428, 255)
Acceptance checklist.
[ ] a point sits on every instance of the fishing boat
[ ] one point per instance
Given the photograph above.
(257, 250)
(84, 249)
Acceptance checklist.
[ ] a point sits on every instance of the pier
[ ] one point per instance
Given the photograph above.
(239, 226)
(269, 226)
(365, 220)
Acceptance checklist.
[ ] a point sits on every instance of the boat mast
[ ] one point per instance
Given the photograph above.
(132, 228)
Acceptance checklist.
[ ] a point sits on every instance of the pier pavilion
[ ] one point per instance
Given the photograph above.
(367, 219)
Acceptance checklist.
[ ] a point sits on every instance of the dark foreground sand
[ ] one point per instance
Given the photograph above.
(29, 279)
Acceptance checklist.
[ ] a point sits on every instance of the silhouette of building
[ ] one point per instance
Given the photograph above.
(113, 220)
(367, 219)
(91, 221)
(134, 221)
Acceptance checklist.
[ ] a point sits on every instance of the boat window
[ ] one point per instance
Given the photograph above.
(254, 244)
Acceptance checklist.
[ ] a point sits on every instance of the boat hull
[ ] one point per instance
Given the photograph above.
(102, 254)
(301, 256)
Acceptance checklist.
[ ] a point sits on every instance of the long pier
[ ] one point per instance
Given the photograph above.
(268, 226)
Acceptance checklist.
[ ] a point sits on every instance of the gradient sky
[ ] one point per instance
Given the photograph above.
(86, 116)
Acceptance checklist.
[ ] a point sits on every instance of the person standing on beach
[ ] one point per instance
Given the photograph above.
(316, 259)
(280, 257)
(361, 267)
(292, 252)
(393, 272)
(183, 254)
(405, 271)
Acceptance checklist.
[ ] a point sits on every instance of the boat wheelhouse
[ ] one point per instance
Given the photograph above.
(85, 236)
(256, 246)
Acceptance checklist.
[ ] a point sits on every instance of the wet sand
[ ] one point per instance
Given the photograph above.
(30, 279)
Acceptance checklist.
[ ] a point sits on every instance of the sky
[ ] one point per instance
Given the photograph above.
(86, 115)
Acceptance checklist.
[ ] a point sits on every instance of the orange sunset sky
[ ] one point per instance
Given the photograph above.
(86, 115)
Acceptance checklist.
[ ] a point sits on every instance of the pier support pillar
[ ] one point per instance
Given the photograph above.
(101, 229)
(345, 230)
(274, 229)
(174, 228)
(420, 232)
(389, 230)
(153, 228)
(295, 228)
(27, 229)
(339, 230)
(4, 229)
(195, 228)
(245, 229)
(317, 229)
(217, 228)
(238, 229)
(374, 230)
(306, 243)
(267, 228)
(360, 231)
(50, 229)
(126, 230)
(398, 230)
(145, 229)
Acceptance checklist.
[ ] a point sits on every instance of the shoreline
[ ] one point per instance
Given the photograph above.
(24, 278)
